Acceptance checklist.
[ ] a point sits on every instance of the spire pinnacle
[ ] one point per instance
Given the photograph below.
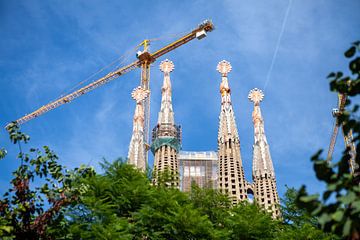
(166, 66)
(139, 94)
(224, 68)
(256, 96)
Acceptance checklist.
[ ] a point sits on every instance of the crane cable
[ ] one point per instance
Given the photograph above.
(277, 45)
(121, 60)
(124, 57)
(168, 36)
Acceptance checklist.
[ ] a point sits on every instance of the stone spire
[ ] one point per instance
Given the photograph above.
(231, 174)
(264, 182)
(137, 151)
(166, 114)
(166, 136)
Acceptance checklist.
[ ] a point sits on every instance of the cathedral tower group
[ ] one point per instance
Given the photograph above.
(196, 167)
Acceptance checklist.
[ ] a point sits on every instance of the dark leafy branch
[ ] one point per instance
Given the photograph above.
(342, 215)
(26, 211)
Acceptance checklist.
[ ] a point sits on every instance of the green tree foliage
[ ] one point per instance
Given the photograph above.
(338, 209)
(248, 221)
(297, 222)
(27, 211)
(292, 214)
(122, 203)
(212, 203)
(109, 203)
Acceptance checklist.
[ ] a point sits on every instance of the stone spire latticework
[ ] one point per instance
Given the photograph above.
(231, 177)
(264, 182)
(166, 136)
(137, 151)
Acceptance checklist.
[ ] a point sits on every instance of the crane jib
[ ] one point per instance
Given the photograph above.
(199, 33)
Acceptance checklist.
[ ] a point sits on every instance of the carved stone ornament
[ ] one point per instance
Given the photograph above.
(139, 94)
(166, 66)
(224, 67)
(256, 96)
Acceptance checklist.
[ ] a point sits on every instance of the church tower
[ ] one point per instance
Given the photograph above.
(166, 136)
(264, 182)
(231, 177)
(137, 152)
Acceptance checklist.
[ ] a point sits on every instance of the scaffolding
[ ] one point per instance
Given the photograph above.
(198, 168)
(166, 134)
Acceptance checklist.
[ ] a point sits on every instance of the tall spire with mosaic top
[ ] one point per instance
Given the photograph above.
(231, 179)
(166, 136)
(264, 182)
(137, 151)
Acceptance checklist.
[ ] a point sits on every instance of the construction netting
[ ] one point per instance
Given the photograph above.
(169, 141)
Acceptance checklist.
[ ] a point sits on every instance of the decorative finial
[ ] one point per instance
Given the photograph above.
(166, 66)
(256, 96)
(224, 67)
(139, 94)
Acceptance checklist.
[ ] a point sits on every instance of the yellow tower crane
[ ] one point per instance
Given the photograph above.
(348, 138)
(144, 60)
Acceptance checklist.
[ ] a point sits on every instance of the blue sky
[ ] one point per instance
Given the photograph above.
(48, 47)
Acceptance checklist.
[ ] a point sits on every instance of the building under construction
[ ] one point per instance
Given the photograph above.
(222, 169)
(198, 168)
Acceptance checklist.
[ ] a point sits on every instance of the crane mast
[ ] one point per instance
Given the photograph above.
(348, 138)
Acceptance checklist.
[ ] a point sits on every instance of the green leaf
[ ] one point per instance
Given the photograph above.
(356, 207)
(309, 198)
(317, 210)
(327, 194)
(348, 198)
(3, 153)
(338, 215)
(347, 228)
(324, 218)
(350, 52)
(331, 75)
(331, 187)
(356, 44)
(354, 66)
(6, 228)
